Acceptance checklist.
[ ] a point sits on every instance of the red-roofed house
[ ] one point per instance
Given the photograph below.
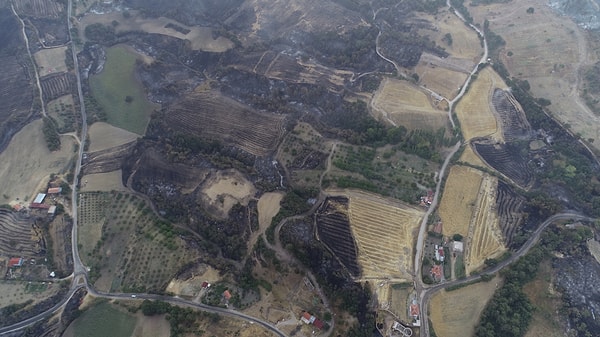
(436, 272)
(54, 190)
(205, 284)
(227, 295)
(318, 324)
(414, 310)
(306, 317)
(15, 262)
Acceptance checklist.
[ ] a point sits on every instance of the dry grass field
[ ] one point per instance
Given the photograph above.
(468, 156)
(103, 182)
(459, 199)
(457, 312)
(192, 286)
(485, 237)
(31, 163)
(465, 42)
(546, 320)
(547, 50)
(105, 136)
(51, 61)
(14, 292)
(225, 189)
(405, 104)
(441, 75)
(200, 37)
(398, 301)
(475, 111)
(385, 235)
(62, 111)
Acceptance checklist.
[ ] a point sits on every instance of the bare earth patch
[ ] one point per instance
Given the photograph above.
(105, 136)
(225, 189)
(51, 61)
(457, 312)
(31, 163)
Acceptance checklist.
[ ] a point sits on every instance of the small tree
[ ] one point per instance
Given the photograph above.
(530, 10)
(457, 237)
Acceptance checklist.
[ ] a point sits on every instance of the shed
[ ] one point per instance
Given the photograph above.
(457, 246)
(15, 262)
(39, 198)
(227, 295)
(52, 210)
(54, 190)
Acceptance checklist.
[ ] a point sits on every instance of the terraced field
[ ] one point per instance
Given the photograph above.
(17, 235)
(214, 116)
(459, 198)
(512, 117)
(510, 211)
(474, 111)
(485, 238)
(333, 228)
(385, 234)
(405, 104)
(505, 158)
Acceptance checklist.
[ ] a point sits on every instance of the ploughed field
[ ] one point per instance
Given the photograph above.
(512, 118)
(107, 160)
(333, 228)
(505, 158)
(211, 115)
(39, 8)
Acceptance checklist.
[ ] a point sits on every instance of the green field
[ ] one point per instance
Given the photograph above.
(102, 320)
(119, 93)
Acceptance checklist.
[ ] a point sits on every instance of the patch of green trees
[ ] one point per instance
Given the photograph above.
(51, 135)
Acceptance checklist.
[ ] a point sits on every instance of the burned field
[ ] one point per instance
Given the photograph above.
(48, 18)
(333, 229)
(506, 159)
(17, 234)
(514, 122)
(106, 160)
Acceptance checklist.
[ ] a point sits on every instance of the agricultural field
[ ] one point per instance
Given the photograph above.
(468, 156)
(385, 234)
(594, 248)
(485, 239)
(546, 320)
(39, 8)
(103, 182)
(510, 211)
(127, 247)
(546, 49)
(456, 313)
(31, 163)
(459, 198)
(216, 117)
(62, 111)
(399, 299)
(403, 103)
(57, 85)
(514, 123)
(200, 38)
(104, 136)
(474, 110)
(15, 292)
(507, 160)
(120, 94)
(108, 160)
(223, 190)
(51, 61)
(101, 320)
(17, 235)
(442, 75)
(463, 44)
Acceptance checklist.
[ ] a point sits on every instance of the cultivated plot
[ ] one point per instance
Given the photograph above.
(51, 61)
(458, 201)
(103, 182)
(474, 111)
(457, 312)
(470, 157)
(104, 136)
(407, 105)
(443, 76)
(385, 234)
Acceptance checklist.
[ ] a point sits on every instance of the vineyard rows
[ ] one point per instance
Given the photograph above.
(507, 162)
(39, 8)
(217, 117)
(16, 235)
(509, 206)
(55, 86)
(385, 237)
(514, 122)
(334, 230)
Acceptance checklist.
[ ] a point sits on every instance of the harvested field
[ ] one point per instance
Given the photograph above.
(200, 38)
(105, 136)
(103, 182)
(385, 234)
(108, 160)
(506, 159)
(465, 43)
(405, 104)
(57, 85)
(459, 198)
(510, 211)
(39, 8)
(215, 116)
(485, 239)
(474, 111)
(31, 162)
(468, 156)
(51, 61)
(548, 50)
(442, 75)
(456, 313)
(143, 253)
(268, 206)
(333, 229)
(512, 117)
(223, 190)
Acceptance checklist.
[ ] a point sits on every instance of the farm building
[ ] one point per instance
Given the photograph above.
(15, 262)
(436, 272)
(39, 206)
(227, 295)
(318, 324)
(310, 319)
(52, 210)
(457, 246)
(54, 190)
(439, 253)
(205, 285)
(306, 317)
(39, 198)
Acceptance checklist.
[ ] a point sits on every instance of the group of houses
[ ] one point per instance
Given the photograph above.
(307, 318)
